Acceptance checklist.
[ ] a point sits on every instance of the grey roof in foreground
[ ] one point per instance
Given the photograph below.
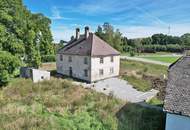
(91, 46)
(177, 99)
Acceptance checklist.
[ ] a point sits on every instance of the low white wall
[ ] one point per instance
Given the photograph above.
(40, 75)
(77, 65)
(177, 122)
(96, 66)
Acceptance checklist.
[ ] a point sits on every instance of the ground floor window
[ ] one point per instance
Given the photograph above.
(111, 70)
(101, 72)
(86, 73)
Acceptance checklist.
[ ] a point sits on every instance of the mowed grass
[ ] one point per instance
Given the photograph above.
(166, 59)
(58, 104)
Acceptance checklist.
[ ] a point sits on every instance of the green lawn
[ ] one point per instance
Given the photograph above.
(58, 104)
(143, 68)
(138, 83)
(166, 59)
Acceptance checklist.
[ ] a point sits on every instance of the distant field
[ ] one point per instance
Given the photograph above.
(166, 59)
(152, 54)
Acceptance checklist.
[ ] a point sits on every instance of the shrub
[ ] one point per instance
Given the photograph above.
(9, 65)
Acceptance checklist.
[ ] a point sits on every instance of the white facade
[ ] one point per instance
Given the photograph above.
(110, 69)
(177, 122)
(88, 68)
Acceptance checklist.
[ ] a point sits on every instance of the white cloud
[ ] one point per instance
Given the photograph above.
(56, 15)
(146, 31)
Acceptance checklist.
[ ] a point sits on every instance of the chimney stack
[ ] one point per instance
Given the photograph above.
(86, 32)
(77, 33)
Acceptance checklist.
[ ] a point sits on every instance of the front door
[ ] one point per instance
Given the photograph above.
(70, 71)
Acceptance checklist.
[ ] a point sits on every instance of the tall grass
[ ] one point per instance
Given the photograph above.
(58, 104)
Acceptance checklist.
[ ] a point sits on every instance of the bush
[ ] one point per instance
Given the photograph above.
(9, 65)
(48, 58)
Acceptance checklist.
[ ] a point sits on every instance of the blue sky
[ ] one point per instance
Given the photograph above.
(134, 18)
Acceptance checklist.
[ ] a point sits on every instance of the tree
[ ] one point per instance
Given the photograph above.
(186, 39)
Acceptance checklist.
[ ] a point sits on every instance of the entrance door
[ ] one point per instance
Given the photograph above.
(70, 71)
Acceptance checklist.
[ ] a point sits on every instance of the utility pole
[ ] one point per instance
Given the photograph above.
(169, 29)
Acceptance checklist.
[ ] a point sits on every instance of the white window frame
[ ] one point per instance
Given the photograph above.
(85, 60)
(69, 59)
(61, 57)
(85, 72)
(111, 70)
(112, 59)
(101, 72)
(101, 60)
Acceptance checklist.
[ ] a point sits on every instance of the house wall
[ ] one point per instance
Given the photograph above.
(177, 122)
(77, 65)
(96, 66)
(40, 75)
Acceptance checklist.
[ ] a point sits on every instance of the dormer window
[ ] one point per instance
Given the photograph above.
(70, 59)
(101, 60)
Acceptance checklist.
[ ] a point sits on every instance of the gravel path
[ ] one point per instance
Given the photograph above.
(144, 60)
(120, 89)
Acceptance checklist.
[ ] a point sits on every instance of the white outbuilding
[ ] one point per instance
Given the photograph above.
(89, 58)
(35, 74)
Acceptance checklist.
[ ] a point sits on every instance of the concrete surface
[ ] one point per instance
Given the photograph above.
(120, 89)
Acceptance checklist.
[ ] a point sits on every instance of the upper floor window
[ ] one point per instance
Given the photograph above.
(112, 59)
(85, 60)
(61, 57)
(101, 60)
(101, 72)
(86, 73)
(70, 59)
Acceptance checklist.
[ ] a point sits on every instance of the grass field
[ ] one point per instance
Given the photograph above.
(133, 72)
(166, 59)
(143, 68)
(58, 104)
(138, 83)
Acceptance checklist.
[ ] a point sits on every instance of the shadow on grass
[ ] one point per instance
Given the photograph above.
(136, 117)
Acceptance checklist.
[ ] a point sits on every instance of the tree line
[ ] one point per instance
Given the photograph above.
(25, 38)
(155, 43)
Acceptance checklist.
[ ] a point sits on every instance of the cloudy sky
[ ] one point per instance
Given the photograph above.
(134, 18)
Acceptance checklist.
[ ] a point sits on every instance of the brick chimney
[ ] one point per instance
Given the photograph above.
(77, 33)
(86, 32)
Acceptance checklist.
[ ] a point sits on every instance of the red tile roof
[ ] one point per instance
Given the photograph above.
(92, 46)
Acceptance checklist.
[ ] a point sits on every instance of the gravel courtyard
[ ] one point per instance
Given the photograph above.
(120, 89)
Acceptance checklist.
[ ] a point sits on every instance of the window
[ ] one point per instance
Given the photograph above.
(111, 70)
(111, 58)
(42, 77)
(61, 57)
(86, 73)
(86, 60)
(101, 60)
(70, 59)
(101, 72)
